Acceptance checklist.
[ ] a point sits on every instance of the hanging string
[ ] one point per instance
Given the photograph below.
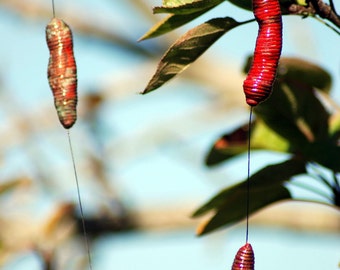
(64, 35)
(53, 9)
(79, 201)
(248, 175)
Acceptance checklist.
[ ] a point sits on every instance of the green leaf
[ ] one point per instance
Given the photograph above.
(334, 127)
(188, 48)
(266, 187)
(170, 23)
(186, 7)
(173, 3)
(263, 137)
(302, 2)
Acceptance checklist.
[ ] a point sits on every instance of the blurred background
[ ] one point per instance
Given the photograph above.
(140, 159)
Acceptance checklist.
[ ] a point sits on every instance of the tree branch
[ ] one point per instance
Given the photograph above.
(325, 11)
(316, 7)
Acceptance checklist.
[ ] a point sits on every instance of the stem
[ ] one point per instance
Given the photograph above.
(332, 5)
(247, 21)
(53, 9)
(327, 24)
(326, 11)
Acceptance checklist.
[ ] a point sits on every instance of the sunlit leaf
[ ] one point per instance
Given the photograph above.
(334, 128)
(266, 187)
(262, 137)
(170, 23)
(188, 48)
(302, 2)
(186, 7)
(174, 3)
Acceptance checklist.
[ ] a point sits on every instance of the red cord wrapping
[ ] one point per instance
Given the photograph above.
(244, 259)
(62, 71)
(259, 82)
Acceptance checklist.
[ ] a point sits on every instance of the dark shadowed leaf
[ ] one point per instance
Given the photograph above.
(295, 69)
(188, 48)
(266, 187)
(235, 210)
(186, 7)
(170, 23)
(268, 176)
(325, 153)
(229, 145)
(309, 110)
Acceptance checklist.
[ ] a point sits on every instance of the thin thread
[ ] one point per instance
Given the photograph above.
(53, 10)
(248, 176)
(79, 201)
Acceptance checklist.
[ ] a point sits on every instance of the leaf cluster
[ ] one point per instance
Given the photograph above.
(190, 46)
(294, 120)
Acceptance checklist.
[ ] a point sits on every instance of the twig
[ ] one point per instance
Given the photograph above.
(326, 11)
(310, 11)
(303, 11)
(332, 5)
